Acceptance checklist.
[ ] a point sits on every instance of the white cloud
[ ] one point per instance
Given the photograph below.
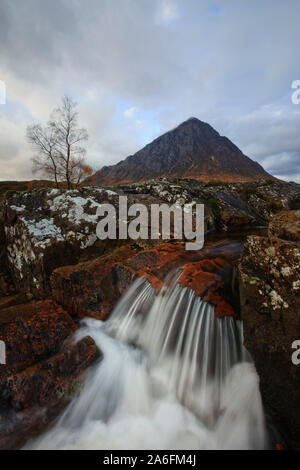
(130, 112)
(167, 11)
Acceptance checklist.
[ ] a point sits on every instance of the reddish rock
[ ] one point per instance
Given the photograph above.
(207, 279)
(92, 288)
(54, 378)
(31, 333)
(43, 368)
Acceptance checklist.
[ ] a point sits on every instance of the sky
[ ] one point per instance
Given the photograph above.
(138, 68)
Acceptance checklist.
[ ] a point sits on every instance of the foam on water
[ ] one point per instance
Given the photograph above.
(173, 376)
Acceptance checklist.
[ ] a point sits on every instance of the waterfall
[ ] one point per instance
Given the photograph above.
(172, 376)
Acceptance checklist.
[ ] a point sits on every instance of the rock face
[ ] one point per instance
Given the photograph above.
(191, 150)
(54, 378)
(48, 228)
(228, 206)
(270, 308)
(32, 332)
(92, 288)
(44, 366)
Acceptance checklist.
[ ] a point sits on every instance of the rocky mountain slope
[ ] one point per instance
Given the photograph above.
(191, 150)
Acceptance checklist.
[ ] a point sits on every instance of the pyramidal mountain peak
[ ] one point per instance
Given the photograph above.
(193, 149)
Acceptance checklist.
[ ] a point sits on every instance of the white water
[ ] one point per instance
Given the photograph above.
(173, 376)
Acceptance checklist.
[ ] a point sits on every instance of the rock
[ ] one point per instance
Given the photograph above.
(42, 391)
(32, 332)
(44, 367)
(17, 427)
(286, 225)
(54, 378)
(269, 271)
(208, 278)
(47, 228)
(228, 206)
(93, 288)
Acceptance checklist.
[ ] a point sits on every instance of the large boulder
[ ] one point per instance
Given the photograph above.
(44, 367)
(92, 288)
(269, 271)
(32, 332)
(47, 228)
(56, 377)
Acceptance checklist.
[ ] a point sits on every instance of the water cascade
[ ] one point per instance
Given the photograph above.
(172, 376)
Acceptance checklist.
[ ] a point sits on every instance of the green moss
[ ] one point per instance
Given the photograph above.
(215, 208)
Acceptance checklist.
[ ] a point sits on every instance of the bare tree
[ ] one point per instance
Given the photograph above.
(43, 140)
(59, 145)
(69, 138)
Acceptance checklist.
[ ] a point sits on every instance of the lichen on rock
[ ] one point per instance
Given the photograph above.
(270, 310)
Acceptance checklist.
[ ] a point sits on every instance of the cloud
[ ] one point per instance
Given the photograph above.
(139, 68)
(130, 112)
(167, 11)
(15, 155)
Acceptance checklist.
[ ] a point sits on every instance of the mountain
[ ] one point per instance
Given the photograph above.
(192, 150)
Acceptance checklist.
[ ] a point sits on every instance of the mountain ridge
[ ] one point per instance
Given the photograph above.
(193, 149)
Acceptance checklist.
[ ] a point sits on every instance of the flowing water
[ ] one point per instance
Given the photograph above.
(173, 376)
